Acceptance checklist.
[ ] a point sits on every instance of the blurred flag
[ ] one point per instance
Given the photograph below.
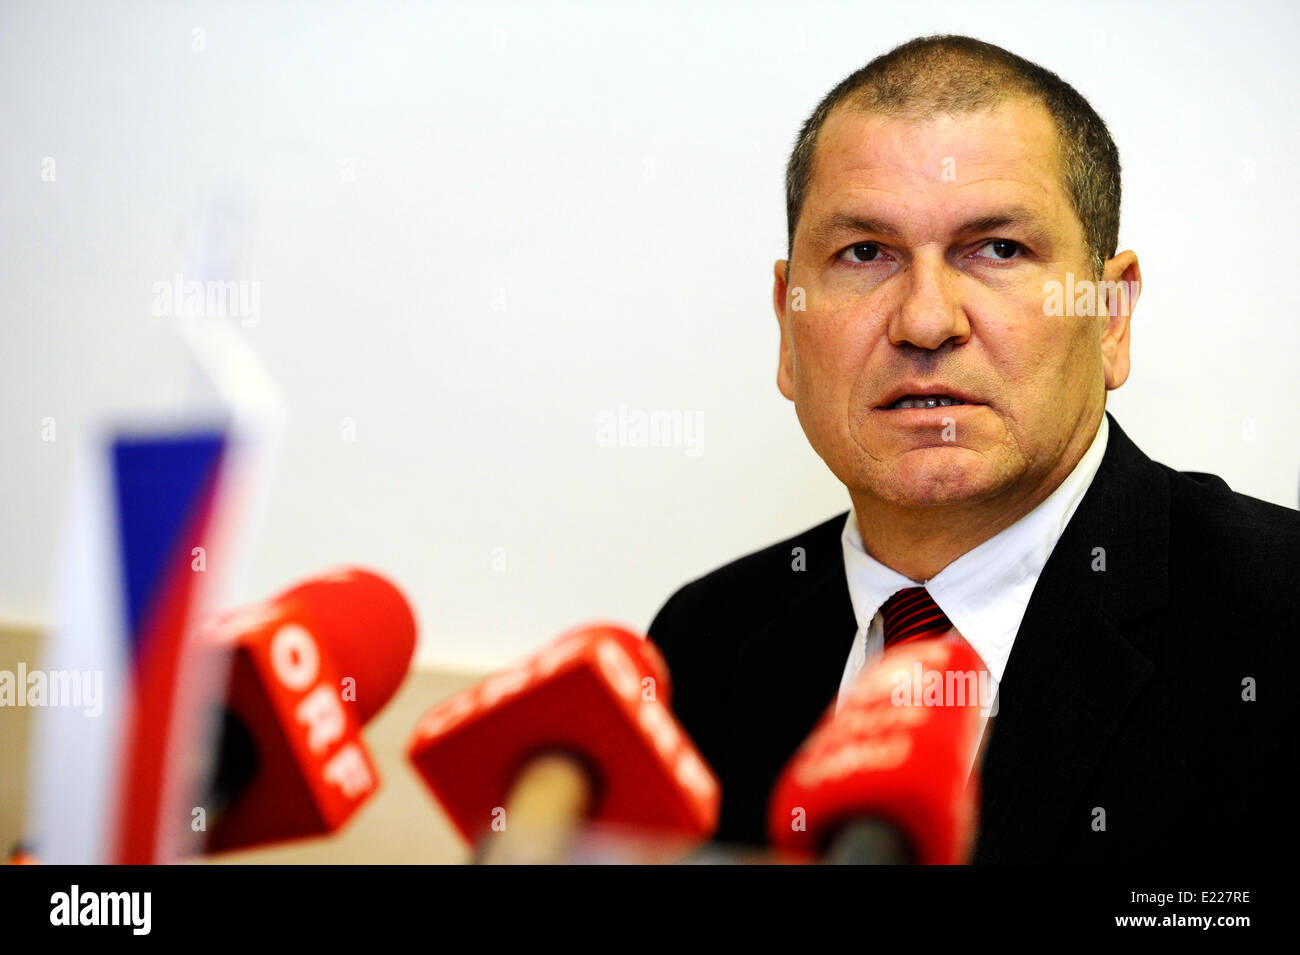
(161, 514)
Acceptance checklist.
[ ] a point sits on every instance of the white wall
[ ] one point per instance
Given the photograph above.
(555, 209)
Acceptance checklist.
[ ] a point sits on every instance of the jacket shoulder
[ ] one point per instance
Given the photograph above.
(1234, 565)
(739, 596)
(1211, 516)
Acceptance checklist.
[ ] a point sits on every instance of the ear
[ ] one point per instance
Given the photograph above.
(1122, 280)
(785, 359)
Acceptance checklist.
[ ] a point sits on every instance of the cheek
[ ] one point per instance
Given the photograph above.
(826, 363)
(1022, 343)
(1041, 365)
(1068, 357)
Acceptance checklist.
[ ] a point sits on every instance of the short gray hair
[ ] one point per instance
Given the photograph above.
(955, 74)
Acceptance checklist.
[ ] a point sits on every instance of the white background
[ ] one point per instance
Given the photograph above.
(554, 209)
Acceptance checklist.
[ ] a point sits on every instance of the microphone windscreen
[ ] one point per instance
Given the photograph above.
(366, 626)
(597, 693)
(308, 669)
(900, 750)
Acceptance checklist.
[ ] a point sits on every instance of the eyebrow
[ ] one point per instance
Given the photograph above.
(828, 229)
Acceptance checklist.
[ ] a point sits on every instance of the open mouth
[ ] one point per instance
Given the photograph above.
(925, 401)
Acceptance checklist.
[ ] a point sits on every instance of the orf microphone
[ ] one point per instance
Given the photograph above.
(888, 779)
(579, 734)
(309, 668)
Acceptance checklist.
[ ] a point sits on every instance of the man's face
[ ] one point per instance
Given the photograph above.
(938, 289)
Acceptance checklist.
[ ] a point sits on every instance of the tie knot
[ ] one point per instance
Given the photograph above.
(911, 614)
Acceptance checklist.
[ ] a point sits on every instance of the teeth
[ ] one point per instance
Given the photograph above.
(928, 401)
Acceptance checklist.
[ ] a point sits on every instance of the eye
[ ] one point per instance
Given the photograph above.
(1002, 249)
(862, 252)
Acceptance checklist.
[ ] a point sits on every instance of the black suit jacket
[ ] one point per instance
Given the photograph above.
(1124, 688)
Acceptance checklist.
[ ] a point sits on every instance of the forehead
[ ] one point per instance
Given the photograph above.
(937, 168)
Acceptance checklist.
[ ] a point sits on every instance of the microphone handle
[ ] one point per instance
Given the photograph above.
(544, 810)
(869, 842)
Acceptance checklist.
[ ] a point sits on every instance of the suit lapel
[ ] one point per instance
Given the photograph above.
(1076, 667)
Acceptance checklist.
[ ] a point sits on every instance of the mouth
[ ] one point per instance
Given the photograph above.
(923, 401)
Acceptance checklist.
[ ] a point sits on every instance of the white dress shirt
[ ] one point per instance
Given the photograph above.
(985, 591)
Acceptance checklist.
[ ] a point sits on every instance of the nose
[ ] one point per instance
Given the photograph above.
(929, 314)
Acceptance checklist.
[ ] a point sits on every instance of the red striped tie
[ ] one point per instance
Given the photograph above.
(912, 615)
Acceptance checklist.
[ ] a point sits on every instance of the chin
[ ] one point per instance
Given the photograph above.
(921, 484)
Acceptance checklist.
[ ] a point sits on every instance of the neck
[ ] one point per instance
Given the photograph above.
(918, 543)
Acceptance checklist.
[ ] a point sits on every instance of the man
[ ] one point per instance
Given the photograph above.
(953, 310)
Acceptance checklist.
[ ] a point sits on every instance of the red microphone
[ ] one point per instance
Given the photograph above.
(578, 733)
(20, 855)
(310, 667)
(890, 777)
